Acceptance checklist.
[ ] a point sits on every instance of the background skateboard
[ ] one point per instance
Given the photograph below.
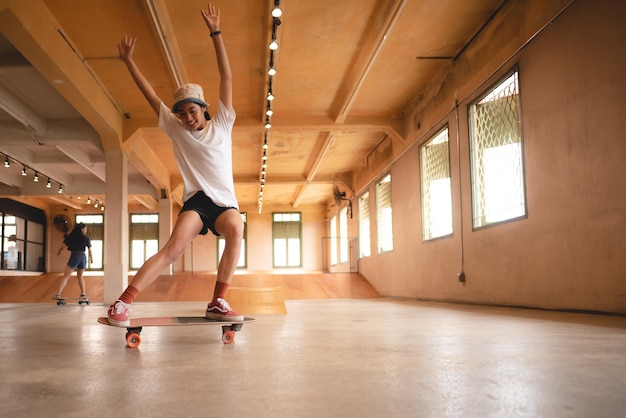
(62, 301)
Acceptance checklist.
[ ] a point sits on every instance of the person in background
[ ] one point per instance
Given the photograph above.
(76, 242)
(203, 151)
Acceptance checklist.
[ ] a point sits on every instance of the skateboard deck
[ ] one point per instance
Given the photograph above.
(62, 301)
(133, 331)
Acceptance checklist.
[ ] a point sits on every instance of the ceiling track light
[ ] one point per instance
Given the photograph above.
(24, 172)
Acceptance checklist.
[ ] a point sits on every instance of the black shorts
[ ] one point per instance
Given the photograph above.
(208, 211)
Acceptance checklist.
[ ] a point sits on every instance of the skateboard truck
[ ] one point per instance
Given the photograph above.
(133, 334)
(61, 301)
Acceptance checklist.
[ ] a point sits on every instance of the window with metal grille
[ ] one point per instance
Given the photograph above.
(332, 224)
(144, 238)
(383, 215)
(436, 189)
(364, 225)
(95, 232)
(242, 263)
(287, 239)
(344, 241)
(497, 166)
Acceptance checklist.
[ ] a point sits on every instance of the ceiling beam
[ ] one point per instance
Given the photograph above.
(82, 159)
(34, 123)
(324, 142)
(147, 201)
(32, 29)
(67, 202)
(163, 26)
(373, 44)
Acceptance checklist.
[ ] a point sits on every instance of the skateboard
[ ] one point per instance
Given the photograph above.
(82, 300)
(133, 331)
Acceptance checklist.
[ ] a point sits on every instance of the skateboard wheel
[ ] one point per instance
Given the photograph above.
(133, 339)
(228, 337)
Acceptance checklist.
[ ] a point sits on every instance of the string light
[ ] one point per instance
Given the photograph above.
(276, 13)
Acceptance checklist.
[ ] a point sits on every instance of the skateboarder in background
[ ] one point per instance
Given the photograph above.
(203, 151)
(76, 241)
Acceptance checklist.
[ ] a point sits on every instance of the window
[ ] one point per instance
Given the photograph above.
(12, 256)
(23, 233)
(436, 189)
(221, 243)
(498, 189)
(364, 225)
(144, 238)
(287, 242)
(333, 240)
(344, 241)
(95, 232)
(383, 214)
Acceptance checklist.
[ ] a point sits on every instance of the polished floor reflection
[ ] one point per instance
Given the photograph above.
(326, 358)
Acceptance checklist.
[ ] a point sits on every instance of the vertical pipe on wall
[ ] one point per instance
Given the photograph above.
(461, 274)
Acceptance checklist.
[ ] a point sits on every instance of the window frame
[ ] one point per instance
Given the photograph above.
(380, 232)
(427, 233)
(479, 221)
(274, 238)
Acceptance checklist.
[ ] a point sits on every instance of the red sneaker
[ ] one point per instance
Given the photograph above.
(118, 314)
(220, 311)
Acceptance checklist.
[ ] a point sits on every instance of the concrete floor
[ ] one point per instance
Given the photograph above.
(326, 358)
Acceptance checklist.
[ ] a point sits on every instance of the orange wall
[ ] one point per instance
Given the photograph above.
(570, 252)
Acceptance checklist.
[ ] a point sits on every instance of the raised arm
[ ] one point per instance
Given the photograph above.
(211, 17)
(126, 48)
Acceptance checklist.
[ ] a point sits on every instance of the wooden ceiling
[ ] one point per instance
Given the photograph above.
(347, 73)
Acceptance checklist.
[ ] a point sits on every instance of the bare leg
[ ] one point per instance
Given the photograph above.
(66, 275)
(188, 225)
(81, 280)
(230, 226)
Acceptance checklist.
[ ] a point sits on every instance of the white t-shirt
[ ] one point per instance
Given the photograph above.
(204, 157)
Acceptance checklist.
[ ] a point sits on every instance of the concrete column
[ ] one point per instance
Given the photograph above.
(115, 226)
(166, 224)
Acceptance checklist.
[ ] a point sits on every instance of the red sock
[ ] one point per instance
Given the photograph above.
(129, 295)
(220, 290)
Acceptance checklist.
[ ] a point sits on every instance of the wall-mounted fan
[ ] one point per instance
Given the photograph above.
(62, 223)
(340, 196)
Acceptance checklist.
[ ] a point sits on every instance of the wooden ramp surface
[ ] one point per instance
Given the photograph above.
(250, 294)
